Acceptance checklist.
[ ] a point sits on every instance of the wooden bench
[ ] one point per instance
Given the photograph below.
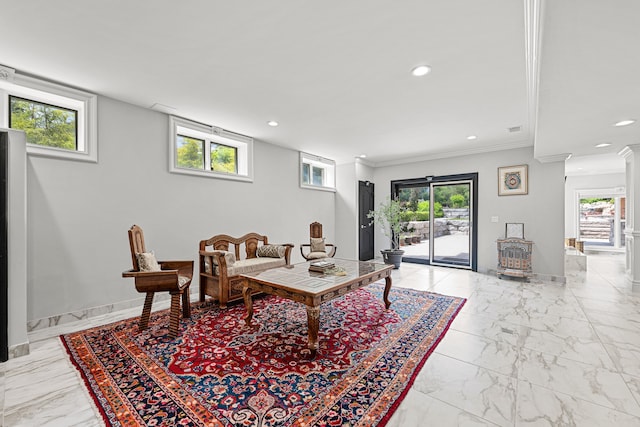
(221, 263)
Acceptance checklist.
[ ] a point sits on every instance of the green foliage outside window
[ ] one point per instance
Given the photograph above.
(422, 216)
(457, 200)
(596, 200)
(44, 124)
(423, 210)
(408, 216)
(443, 193)
(224, 158)
(190, 152)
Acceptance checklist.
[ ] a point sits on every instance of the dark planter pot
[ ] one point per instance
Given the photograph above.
(391, 256)
(415, 239)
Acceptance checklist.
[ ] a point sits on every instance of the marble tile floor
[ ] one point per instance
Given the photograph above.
(518, 354)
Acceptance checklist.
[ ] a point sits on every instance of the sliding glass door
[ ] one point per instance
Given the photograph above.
(439, 216)
(451, 235)
(414, 239)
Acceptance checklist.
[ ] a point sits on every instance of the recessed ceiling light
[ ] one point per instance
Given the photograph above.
(362, 156)
(421, 70)
(604, 144)
(625, 122)
(273, 123)
(471, 137)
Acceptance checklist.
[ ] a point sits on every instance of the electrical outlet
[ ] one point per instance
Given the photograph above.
(494, 219)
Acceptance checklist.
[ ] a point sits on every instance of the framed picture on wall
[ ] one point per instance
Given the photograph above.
(514, 230)
(513, 180)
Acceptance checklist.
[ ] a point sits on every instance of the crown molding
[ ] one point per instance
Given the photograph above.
(533, 10)
(364, 162)
(458, 153)
(629, 150)
(553, 158)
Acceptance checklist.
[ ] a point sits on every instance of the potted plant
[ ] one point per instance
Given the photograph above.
(388, 217)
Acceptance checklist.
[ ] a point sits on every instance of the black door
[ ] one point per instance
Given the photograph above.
(365, 204)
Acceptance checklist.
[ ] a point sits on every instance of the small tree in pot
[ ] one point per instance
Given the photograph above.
(388, 217)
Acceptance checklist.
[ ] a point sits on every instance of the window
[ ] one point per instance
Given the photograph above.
(44, 124)
(190, 152)
(317, 172)
(58, 121)
(203, 150)
(223, 158)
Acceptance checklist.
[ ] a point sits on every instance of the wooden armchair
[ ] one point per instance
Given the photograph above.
(170, 276)
(317, 248)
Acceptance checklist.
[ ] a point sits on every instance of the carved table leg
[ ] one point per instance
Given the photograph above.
(387, 288)
(248, 303)
(313, 321)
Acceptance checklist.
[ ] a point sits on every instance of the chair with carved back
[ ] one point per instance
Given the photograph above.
(317, 248)
(153, 276)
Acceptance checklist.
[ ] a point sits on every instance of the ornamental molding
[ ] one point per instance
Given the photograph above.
(7, 73)
(627, 151)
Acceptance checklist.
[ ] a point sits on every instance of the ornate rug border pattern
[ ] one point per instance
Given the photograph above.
(100, 388)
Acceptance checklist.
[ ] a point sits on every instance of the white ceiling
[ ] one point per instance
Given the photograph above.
(336, 74)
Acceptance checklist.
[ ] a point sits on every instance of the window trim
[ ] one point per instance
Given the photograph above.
(243, 144)
(42, 91)
(328, 166)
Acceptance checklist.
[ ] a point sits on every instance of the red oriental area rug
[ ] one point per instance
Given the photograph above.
(219, 372)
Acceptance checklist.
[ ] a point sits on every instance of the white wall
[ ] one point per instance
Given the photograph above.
(585, 182)
(347, 211)
(541, 210)
(79, 213)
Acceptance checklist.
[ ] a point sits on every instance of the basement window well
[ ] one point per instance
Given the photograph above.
(317, 172)
(203, 150)
(58, 121)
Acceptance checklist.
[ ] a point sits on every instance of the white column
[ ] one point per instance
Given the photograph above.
(631, 154)
(17, 243)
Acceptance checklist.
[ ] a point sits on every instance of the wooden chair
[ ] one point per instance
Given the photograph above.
(315, 232)
(174, 277)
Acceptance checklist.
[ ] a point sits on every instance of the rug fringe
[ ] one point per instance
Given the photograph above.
(98, 411)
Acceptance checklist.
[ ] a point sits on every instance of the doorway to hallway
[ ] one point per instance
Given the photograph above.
(601, 218)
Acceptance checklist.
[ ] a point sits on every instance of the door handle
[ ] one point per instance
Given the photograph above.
(363, 226)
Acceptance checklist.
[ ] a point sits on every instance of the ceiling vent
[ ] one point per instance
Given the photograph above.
(514, 129)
